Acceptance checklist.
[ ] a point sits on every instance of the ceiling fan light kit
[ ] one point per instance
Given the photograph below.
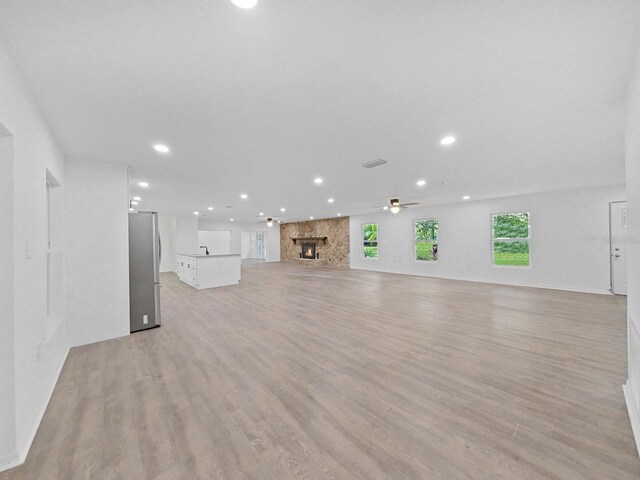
(395, 205)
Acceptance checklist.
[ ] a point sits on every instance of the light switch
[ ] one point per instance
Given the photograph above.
(28, 249)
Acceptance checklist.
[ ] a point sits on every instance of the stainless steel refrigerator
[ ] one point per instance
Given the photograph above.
(145, 252)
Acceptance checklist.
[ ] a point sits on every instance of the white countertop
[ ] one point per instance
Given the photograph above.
(203, 255)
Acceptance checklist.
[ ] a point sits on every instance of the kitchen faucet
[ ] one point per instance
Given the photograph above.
(206, 250)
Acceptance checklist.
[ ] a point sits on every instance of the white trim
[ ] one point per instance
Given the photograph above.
(634, 416)
(611, 248)
(10, 461)
(20, 455)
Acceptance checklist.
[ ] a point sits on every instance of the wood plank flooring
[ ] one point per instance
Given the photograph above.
(317, 373)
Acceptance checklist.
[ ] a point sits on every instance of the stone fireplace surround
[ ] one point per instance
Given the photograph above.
(330, 237)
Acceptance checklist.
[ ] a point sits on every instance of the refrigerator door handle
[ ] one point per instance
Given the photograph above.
(159, 247)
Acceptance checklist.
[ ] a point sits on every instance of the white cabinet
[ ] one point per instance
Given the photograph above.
(208, 271)
(187, 269)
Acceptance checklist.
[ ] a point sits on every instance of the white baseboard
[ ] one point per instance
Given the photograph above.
(481, 280)
(10, 461)
(634, 414)
(20, 455)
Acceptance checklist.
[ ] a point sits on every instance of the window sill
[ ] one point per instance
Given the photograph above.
(521, 267)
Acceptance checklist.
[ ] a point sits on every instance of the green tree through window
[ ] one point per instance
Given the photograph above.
(426, 239)
(370, 240)
(510, 233)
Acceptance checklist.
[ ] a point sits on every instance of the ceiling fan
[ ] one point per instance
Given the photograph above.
(269, 220)
(395, 205)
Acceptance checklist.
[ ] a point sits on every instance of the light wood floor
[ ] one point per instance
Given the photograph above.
(310, 373)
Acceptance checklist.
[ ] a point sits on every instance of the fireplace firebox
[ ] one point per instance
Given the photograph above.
(308, 251)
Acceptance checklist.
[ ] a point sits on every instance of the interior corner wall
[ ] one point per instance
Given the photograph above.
(569, 240)
(632, 250)
(37, 356)
(237, 228)
(167, 229)
(7, 352)
(98, 250)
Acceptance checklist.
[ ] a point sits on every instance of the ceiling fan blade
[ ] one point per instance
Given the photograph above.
(409, 204)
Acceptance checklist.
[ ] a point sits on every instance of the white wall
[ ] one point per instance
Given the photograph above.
(7, 366)
(187, 235)
(569, 240)
(632, 388)
(98, 251)
(217, 241)
(245, 244)
(38, 357)
(167, 229)
(236, 228)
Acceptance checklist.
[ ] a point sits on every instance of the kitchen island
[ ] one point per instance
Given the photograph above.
(208, 271)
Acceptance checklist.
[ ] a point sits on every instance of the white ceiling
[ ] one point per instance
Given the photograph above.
(262, 101)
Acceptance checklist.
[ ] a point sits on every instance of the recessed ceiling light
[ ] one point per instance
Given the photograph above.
(245, 3)
(210, 208)
(338, 214)
(161, 148)
(318, 180)
(137, 199)
(331, 200)
(466, 197)
(279, 221)
(196, 213)
(143, 184)
(421, 183)
(385, 208)
(231, 219)
(448, 140)
(244, 196)
(134, 203)
(261, 214)
(131, 209)
(283, 209)
(310, 218)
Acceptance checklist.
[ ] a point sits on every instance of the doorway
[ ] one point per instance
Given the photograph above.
(254, 245)
(618, 234)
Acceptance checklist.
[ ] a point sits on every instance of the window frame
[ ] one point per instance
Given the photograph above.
(415, 241)
(519, 239)
(362, 245)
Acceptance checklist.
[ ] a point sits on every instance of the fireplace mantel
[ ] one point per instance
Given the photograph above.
(295, 239)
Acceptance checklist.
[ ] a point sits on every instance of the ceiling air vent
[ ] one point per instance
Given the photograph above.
(374, 163)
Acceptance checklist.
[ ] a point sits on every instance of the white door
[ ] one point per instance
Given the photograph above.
(618, 230)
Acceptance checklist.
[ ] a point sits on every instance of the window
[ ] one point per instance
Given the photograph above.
(510, 239)
(370, 240)
(426, 240)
